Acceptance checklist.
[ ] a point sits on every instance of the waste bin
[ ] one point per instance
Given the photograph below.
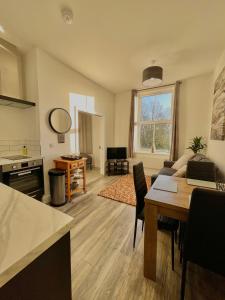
(57, 186)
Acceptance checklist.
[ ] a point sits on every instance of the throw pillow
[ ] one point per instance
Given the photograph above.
(181, 172)
(182, 161)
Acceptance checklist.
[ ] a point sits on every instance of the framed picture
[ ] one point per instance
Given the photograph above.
(218, 114)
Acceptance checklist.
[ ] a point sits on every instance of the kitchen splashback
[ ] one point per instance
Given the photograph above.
(11, 147)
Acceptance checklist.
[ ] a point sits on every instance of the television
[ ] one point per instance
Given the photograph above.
(116, 153)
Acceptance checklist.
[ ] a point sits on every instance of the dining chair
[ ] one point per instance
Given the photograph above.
(204, 241)
(164, 223)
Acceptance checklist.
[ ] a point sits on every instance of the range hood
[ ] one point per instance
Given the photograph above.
(15, 102)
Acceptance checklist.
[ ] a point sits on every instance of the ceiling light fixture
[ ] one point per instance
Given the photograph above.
(2, 29)
(152, 75)
(67, 15)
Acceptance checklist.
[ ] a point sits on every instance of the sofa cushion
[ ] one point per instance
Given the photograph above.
(182, 161)
(167, 171)
(201, 170)
(181, 172)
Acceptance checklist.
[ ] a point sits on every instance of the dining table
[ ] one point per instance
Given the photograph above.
(174, 204)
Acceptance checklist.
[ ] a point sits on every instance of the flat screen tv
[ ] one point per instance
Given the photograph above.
(117, 153)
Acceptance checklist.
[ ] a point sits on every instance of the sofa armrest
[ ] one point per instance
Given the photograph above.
(168, 163)
(201, 170)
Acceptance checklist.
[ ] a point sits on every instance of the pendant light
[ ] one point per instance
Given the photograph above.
(152, 75)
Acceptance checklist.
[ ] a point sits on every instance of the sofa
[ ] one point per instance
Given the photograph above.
(198, 167)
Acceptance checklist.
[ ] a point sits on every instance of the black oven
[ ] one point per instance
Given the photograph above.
(26, 177)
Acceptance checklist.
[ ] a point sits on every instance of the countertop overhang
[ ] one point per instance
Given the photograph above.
(4, 161)
(27, 229)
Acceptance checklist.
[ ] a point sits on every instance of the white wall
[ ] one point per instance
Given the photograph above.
(55, 82)
(31, 92)
(216, 149)
(194, 109)
(122, 118)
(96, 140)
(194, 116)
(16, 123)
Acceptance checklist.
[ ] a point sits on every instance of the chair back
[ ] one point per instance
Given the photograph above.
(205, 234)
(140, 186)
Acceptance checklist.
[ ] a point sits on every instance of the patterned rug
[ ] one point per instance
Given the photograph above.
(122, 190)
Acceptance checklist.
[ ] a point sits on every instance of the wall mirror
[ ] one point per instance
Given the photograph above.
(60, 122)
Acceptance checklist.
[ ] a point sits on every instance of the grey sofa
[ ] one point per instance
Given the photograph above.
(198, 167)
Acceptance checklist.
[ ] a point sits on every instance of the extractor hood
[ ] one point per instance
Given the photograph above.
(15, 102)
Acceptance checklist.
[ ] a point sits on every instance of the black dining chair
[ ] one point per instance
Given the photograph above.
(204, 241)
(141, 189)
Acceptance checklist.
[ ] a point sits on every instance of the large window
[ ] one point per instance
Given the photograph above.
(153, 122)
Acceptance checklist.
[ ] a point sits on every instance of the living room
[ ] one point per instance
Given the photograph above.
(145, 77)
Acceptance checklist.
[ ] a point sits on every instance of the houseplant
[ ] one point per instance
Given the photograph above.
(197, 144)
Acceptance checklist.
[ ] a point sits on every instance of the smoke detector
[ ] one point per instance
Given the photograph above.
(67, 15)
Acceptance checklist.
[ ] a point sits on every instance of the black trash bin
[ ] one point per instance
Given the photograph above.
(57, 186)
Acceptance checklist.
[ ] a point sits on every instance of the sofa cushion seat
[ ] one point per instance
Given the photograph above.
(167, 171)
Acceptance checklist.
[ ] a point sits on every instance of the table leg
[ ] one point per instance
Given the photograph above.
(150, 241)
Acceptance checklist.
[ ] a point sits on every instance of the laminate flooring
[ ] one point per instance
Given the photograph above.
(105, 266)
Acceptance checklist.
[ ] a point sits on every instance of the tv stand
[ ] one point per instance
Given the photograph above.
(117, 167)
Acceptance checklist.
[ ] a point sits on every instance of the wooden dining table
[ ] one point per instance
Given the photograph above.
(164, 203)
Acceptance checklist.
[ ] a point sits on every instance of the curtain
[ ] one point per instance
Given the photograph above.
(85, 133)
(175, 125)
(131, 128)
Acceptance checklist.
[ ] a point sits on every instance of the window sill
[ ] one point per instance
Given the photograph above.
(152, 154)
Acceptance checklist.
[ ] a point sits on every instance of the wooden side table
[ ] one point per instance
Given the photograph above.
(72, 177)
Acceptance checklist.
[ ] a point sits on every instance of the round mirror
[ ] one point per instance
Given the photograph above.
(60, 120)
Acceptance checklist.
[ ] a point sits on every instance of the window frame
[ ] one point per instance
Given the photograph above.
(138, 122)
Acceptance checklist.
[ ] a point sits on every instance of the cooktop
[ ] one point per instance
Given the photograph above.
(16, 157)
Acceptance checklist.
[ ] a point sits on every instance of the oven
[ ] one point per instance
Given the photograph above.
(26, 177)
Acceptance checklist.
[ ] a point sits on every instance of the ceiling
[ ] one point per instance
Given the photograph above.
(111, 42)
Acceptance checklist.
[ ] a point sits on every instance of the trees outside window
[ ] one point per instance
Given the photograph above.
(153, 124)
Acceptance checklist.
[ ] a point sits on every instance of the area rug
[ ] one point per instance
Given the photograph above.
(122, 190)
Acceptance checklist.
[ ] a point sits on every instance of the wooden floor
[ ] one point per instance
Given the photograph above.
(105, 266)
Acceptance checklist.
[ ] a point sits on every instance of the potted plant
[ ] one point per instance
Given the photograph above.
(197, 144)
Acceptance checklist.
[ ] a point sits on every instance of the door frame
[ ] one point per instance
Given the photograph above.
(102, 136)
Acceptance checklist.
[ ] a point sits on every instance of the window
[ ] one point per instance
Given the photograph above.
(153, 121)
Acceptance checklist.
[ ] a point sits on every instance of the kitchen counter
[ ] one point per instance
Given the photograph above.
(4, 161)
(27, 229)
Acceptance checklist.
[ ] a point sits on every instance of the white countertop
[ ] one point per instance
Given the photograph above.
(4, 161)
(27, 228)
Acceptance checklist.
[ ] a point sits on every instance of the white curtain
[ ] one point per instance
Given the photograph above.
(85, 132)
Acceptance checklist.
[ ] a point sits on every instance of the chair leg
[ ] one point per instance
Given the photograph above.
(135, 231)
(172, 248)
(183, 280)
(176, 237)
(182, 240)
(179, 237)
(181, 252)
(143, 222)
